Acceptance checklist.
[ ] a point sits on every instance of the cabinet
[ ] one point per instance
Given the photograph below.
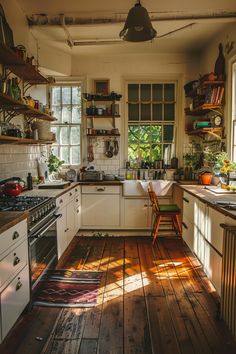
(11, 107)
(100, 206)
(69, 223)
(189, 215)
(101, 112)
(14, 275)
(204, 236)
(206, 101)
(137, 213)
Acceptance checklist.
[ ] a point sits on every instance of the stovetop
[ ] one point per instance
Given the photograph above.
(20, 203)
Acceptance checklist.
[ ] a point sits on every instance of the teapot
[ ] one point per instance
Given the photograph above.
(13, 188)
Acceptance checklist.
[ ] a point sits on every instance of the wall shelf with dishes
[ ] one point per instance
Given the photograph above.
(13, 139)
(13, 102)
(101, 106)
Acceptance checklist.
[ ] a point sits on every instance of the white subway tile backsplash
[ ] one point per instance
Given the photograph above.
(18, 160)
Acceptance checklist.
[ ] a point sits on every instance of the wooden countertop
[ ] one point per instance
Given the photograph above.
(206, 196)
(11, 218)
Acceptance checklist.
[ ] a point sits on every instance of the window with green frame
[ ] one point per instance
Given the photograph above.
(151, 121)
(66, 104)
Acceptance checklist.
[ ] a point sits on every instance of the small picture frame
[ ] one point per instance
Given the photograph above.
(101, 87)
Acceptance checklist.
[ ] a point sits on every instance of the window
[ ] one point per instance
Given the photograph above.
(66, 104)
(151, 121)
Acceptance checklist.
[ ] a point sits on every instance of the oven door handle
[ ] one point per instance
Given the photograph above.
(39, 233)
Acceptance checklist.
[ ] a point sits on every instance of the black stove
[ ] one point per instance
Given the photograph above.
(21, 203)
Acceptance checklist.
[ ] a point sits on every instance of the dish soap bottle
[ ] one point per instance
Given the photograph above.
(29, 182)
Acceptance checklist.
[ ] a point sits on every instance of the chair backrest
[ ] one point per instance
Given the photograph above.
(153, 198)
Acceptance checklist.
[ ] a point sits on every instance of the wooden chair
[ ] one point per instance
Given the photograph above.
(171, 211)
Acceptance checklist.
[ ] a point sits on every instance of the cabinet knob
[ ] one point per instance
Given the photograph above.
(70, 194)
(18, 285)
(15, 235)
(16, 261)
(76, 189)
(77, 200)
(77, 211)
(61, 201)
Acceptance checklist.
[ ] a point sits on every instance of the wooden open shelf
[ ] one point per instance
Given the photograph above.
(201, 110)
(103, 116)
(12, 139)
(10, 104)
(205, 84)
(95, 135)
(205, 131)
(19, 67)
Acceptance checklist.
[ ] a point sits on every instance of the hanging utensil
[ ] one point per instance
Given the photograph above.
(90, 152)
(108, 151)
(116, 147)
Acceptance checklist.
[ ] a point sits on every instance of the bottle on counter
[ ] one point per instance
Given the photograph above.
(29, 181)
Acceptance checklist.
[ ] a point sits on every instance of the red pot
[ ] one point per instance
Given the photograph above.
(12, 188)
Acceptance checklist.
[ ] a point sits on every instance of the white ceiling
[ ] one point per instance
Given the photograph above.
(170, 15)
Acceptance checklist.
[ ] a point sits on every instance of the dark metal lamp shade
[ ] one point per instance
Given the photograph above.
(138, 26)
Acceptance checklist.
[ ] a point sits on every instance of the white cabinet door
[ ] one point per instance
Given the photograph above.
(14, 299)
(77, 214)
(136, 214)
(214, 232)
(100, 210)
(200, 220)
(70, 220)
(61, 233)
(188, 233)
(212, 266)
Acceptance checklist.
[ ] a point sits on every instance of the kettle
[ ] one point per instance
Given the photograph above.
(13, 188)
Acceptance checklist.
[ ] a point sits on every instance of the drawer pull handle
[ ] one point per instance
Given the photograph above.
(70, 194)
(76, 189)
(184, 225)
(100, 189)
(15, 235)
(77, 211)
(186, 200)
(16, 261)
(18, 285)
(76, 200)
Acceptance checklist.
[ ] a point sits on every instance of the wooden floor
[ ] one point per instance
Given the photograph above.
(152, 299)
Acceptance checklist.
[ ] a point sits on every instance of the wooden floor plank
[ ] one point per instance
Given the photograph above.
(152, 299)
(111, 326)
(88, 346)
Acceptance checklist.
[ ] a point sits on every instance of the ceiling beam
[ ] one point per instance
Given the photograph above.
(55, 20)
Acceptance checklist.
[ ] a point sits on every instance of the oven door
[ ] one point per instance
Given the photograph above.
(43, 249)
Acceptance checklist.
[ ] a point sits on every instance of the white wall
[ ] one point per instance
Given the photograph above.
(119, 68)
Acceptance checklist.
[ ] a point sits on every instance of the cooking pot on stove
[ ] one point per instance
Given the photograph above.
(13, 188)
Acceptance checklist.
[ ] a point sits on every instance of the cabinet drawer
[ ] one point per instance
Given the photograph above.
(14, 299)
(100, 189)
(62, 200)
(11, 236)
(188, 207)
(188, 233)
(76, 191)
(13, 262)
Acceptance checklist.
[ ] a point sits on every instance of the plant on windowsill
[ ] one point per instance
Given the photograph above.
(54, 165)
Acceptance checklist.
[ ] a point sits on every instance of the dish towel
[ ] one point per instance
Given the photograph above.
(160, 187)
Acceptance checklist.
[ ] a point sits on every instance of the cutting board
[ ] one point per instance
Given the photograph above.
(54, 185)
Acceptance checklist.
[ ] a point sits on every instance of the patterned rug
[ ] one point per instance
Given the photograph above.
(67, 288)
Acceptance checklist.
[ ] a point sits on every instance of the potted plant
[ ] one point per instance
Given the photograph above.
(54, 165)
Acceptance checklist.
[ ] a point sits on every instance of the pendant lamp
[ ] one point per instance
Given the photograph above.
(138, 26)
